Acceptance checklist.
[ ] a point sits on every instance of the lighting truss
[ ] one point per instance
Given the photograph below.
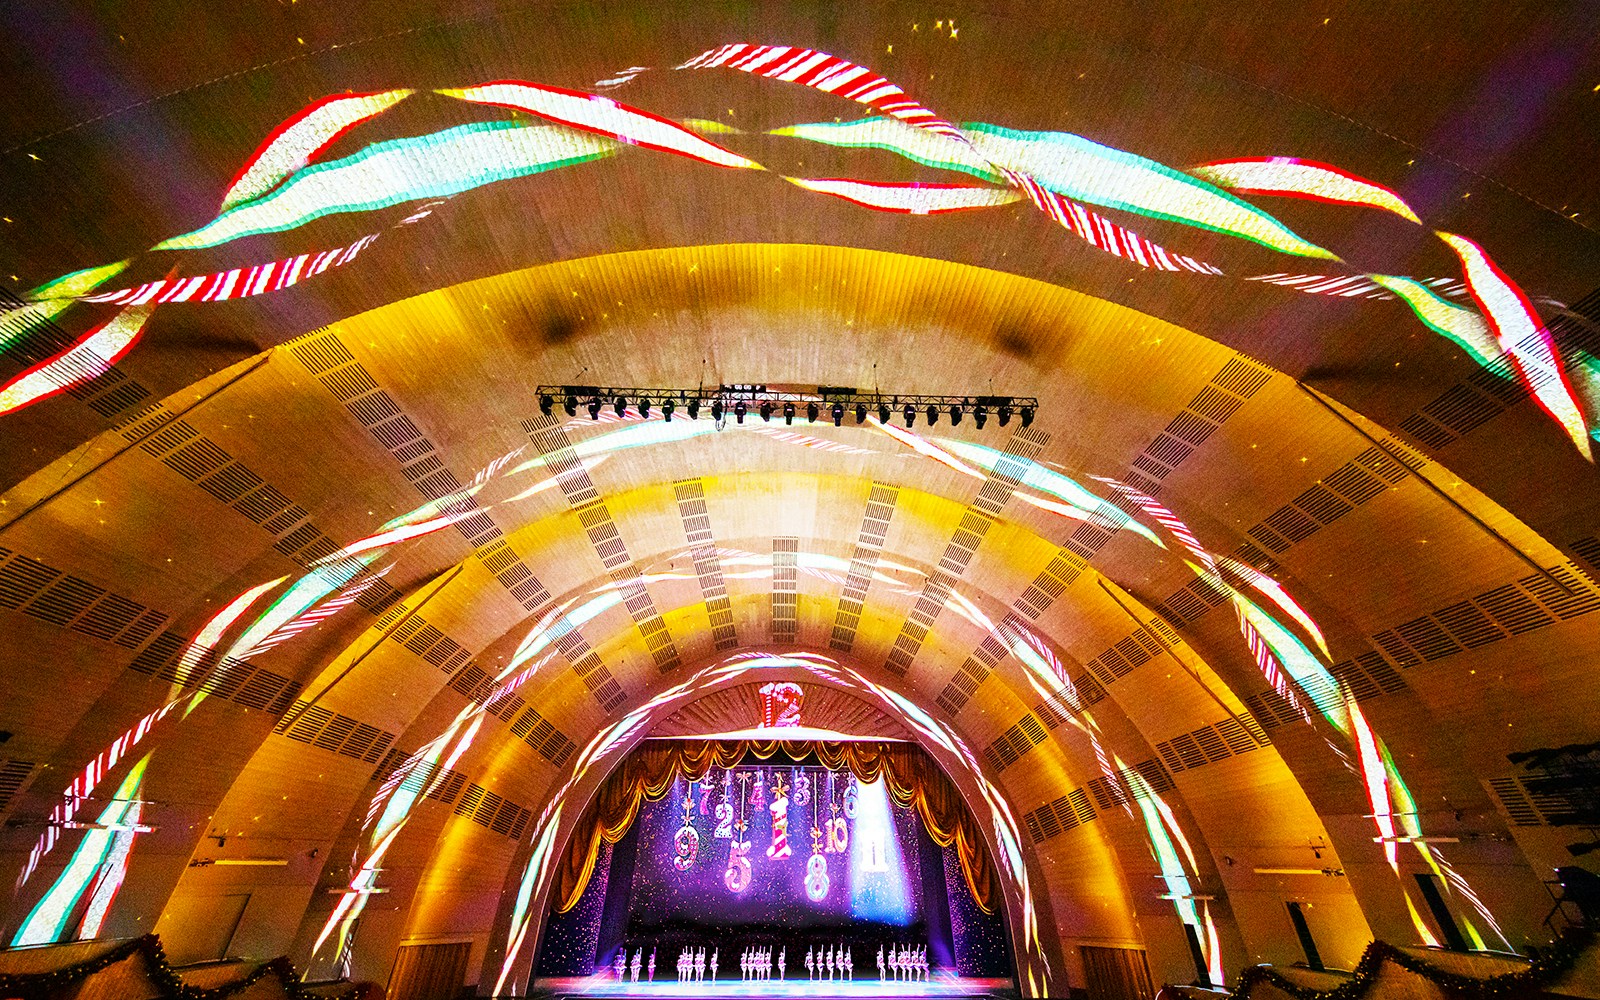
(827, 403)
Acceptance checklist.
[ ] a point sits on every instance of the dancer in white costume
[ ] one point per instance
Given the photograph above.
(713, 965)
(700, 966)
(882, 970)
(652, 965)
(783, 962)
(636, 964)
(621, 962)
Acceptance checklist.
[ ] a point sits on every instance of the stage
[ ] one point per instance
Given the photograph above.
(859, 989)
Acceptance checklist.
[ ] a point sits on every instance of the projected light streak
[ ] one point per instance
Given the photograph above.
(1518, 330)
(1286, 175)
(346, 597)
(1343, 286)
(210, 635)
(878, 884)
(806, 440)
(602, 116)
(910, 198)
(52, 298)
(1274, 592)
(1460, 324)
(83, 785)
(1166, 837)
(101, 854)
(394, 536)
(301, 596)
(237, 283)
(1072, 166)
(91, 357)
(399, 171)
(298, 140)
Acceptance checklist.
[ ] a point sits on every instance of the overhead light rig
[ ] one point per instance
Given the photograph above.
(785, 402)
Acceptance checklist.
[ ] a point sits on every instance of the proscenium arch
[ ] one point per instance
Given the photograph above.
(774, 313)
(1029, 920)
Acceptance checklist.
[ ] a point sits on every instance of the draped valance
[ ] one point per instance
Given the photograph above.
(912, 779)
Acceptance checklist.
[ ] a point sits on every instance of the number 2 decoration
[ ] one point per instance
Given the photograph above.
(737, 875)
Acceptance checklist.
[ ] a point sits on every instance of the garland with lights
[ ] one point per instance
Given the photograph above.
(1545, 967)
(40, 985)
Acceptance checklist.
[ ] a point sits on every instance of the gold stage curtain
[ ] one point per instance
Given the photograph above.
(913, 780)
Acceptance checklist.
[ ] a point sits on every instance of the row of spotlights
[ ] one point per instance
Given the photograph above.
(980, 414)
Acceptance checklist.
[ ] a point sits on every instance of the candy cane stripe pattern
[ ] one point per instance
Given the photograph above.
(826, 73)
(298, 140)
(1520, 334)
(88, 359)
(237, 283)
(910, 199)
(1285, 175)
(602, 116)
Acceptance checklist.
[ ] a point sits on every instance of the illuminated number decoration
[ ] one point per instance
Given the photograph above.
(850, 795)
(802, 788)
(816, 869)
(724, 828)
(780, 821)
(780, 704)
(758, 790)
(687, 839)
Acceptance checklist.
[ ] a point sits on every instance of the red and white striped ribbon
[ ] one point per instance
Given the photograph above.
(238, 283)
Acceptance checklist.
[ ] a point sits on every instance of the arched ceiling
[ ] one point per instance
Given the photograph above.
(1411, 535)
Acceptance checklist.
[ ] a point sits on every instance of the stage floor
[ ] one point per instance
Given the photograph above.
(859, 989)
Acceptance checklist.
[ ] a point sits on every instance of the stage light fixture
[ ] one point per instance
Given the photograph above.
(838, 414)
(1005, 415)
(861, 413)
(766, 411)
(811, 412)
(621, 406)
(667, 409)
(955, 416)
(572, 406)
(739, 410)
(788, 413)
(1027, 416)
(716, 409)
(933, 414)
(883, 413)
(910, 413)
(694, 409)
(546, 404)
(594, 408)
(980, 416)
(644, 407)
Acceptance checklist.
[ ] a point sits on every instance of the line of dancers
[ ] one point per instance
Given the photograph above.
(905, 963)
(896, 963)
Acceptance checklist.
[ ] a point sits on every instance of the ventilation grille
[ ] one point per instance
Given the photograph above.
(1352, 484)
(46, 593)
(546, 740)
(997, 488)
(1217, 401)
(325, 356)
(785, 583)
(1209, 744)
(14, 777)
(1011, 745)
(595, 517)
(691, 495)
(340, 734)
(1129, 783)
(492, 812)
(1057, 817)
(863, 563)
(1130, 652)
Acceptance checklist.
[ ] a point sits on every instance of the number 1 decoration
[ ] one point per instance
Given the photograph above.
(737, 875)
